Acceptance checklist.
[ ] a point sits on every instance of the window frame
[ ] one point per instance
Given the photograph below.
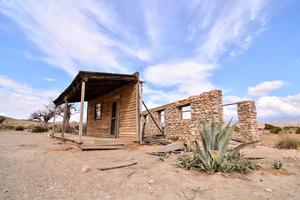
(185, 111)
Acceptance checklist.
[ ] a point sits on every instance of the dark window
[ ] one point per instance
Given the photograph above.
(113, 125)
(146, 118)
(98, 111)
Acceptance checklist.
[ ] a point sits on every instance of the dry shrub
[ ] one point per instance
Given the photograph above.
(298, 130)
(39, 129)
(7, 127)
(19, 128)
(288, 143)
(2, 118)
(272, 129)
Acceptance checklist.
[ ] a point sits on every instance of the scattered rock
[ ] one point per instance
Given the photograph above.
(85, 168)
(5, 190)
(151, 181)
(268, 190)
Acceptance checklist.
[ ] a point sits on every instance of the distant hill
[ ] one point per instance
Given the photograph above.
(18, 122)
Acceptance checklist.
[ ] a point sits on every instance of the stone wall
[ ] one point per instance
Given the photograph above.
(203, 107)
(247, 121)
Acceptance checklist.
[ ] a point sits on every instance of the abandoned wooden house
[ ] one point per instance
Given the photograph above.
(113, 103)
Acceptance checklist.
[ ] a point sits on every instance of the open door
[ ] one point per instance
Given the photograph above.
(114, 119)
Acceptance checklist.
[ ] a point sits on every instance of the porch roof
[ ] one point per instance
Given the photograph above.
(97, 83)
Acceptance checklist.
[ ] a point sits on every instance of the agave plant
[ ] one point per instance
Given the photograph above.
(214, 154)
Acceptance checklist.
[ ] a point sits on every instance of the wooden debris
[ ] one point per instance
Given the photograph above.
(131, 173)
(101, 147)
(170, 148)
(117, 166)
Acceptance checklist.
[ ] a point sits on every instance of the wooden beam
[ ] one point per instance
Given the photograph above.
(81, 110)
(153, 118)
(64, 119)
(53, 125)
(139, 109)
(230, 104)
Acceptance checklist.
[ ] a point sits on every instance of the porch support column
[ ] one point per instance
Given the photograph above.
(141, 122)
(81, 110)
(53, 125)
(64, 119)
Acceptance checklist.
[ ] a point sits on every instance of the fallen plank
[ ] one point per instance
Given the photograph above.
(101, 147)
(117, 166)
(170, 148)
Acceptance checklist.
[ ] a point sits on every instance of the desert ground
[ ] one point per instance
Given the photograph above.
(35, 166)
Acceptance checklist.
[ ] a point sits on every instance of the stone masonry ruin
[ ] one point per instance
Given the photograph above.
(179, 120)
(247, 120)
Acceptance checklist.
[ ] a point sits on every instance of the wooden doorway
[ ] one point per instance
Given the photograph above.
(114, 123)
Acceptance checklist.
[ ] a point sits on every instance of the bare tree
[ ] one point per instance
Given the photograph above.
(71, 110)
(50, 110)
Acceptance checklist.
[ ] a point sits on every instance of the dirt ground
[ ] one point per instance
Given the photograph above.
(34, 166)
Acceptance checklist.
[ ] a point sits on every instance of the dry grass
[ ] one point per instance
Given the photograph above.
(288, 142)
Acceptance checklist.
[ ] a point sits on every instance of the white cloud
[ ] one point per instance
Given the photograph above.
(265, 87)
(16, 86)
(268, 107)
(20, 99)
(189, 77)
(279, 106)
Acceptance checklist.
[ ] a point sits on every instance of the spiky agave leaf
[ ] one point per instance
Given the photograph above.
(239, 147)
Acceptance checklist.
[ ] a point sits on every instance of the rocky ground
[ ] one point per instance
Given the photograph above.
(34, 166)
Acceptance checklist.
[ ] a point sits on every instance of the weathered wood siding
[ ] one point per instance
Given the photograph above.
(128, 118)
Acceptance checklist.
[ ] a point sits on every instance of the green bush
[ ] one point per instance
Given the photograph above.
(298, 130)
(2, 118)
(288, 143)
(272, 129)
(39, 129)
(19, 128)
(215, 155)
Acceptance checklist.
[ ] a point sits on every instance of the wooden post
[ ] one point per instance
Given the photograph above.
(141, 131)
(81, 110)
(64, 119)
(53, 125)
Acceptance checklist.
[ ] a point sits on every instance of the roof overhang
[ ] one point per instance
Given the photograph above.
(97, 84)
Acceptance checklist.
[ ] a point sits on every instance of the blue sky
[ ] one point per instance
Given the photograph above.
(249, 49)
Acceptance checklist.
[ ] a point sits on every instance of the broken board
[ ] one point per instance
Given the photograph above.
(175, 147)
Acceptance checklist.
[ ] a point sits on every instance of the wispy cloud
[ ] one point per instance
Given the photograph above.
(50, 79)
(73, 34)
(210, 31)
(177, 45)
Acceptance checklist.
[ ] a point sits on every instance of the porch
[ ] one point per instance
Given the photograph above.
(94, 143)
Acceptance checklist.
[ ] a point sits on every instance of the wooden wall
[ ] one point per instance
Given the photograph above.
(128, 117)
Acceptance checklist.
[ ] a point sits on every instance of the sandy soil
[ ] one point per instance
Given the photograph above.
(34, 166)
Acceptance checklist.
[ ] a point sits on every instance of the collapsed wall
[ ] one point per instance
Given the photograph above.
(180, 119)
